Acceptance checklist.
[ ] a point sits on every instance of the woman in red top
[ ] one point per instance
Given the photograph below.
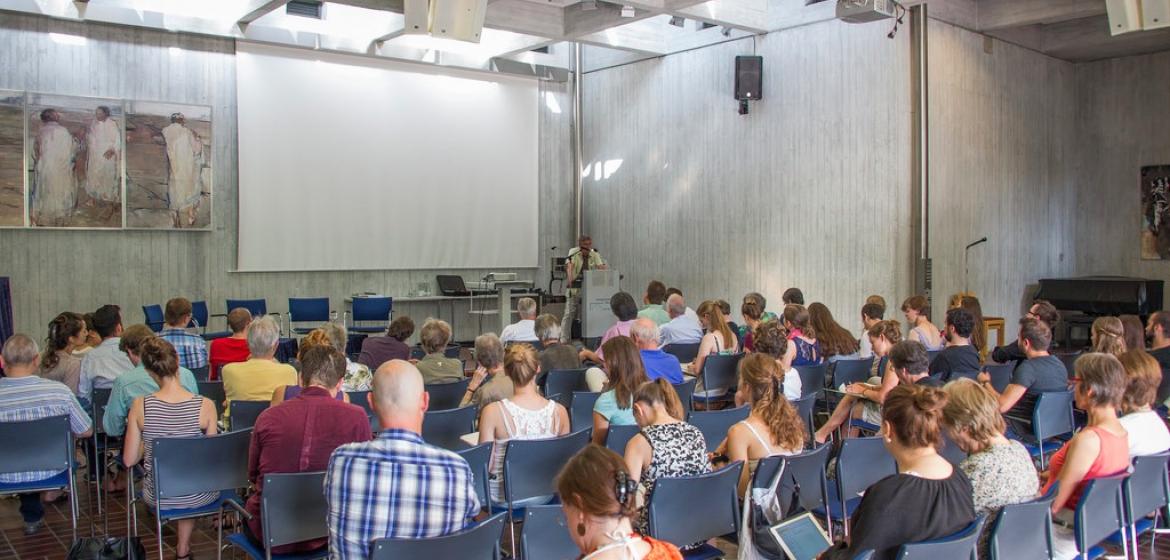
(1102, 448)
(599, 501)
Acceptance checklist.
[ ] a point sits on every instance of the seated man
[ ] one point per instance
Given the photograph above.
(959, 355)
(396, 485)
(524, 329)
(436, 367)
(191, 347)
(683, 328)
(1038, 373)
(871, 314)
(1041, 310)
(257, 378)
(655, 298)
(136, 382)
(656, 362)
(234, 348)
(102, 365)
(301, 434)
(377, 350)
(1158, 329)
(556, 354)
(910, 362)
(792, 296)
(25, 397)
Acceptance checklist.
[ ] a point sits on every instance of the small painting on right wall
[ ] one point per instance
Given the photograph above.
(1156, 212)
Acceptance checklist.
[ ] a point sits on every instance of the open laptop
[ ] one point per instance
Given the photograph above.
(452, 285)
(801, 537)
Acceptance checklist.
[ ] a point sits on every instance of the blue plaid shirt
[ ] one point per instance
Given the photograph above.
(192, 348)
(23, 399)
(395, 486)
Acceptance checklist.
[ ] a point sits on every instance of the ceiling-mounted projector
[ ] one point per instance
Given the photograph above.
(451, 19)
(865, 11)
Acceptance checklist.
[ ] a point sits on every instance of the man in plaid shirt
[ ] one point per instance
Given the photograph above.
(396, 486)
(192, 348)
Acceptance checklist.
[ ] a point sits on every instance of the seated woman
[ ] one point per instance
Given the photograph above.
(377, 350)
(524, 416)
(928, 498)
(718, 339)
(1147, 431)
(1000, 470)
(771, 339)
(172, 411)
(752, 318)
(489, 383)
(805, 349)
(666, 446)
(964, 300)
(917, 312)
(316, 337)
(67, 333)
(626, 373)
(598, 497)
(435, 366)
(1107, 336)
(836, 342)
(625, 309)
(1100, 449)
(862, 400)
(772, 428)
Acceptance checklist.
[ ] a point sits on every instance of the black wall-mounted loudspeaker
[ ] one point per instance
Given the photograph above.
(749, 77)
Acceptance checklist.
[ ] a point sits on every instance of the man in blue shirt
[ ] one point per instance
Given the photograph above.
(684, 327)
(656, 362)
(191, 347)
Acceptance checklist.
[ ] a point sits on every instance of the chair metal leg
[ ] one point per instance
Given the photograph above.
(73, 501)
(512, 531)
(158, 525)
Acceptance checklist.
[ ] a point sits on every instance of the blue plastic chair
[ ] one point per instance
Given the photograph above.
(851, 371)
(530, 469)
(1001, 375)
(1052, 417)
(807, 483)
(581, 410)
(1099, 514)
(1023, 530)
(1146, 491)
(1069, 360)
(861, 462)
(44, 445)
(805, 407)
(257, 307)
(153, 317)
(672, 517)
(478, 458)
(479, 542)
(200, 316)
(307, 310)
(618, 436)
(951, 451)
(362, 399)
(214, 392)
(545, 535)
(719, 374)
(812, 378)
(958, 545)
(715, 423)
(565, 381)
(446, 396)
(685, 391)
(244, 413)
(292, 510)
(685, 352)
(371, 310)
(443, 428)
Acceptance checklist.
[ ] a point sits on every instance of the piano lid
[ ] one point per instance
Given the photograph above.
(1103, 295)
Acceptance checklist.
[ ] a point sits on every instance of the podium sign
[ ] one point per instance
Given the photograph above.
(597, 288)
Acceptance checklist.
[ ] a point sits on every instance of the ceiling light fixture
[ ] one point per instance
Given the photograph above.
(628, 12)
(677, 21)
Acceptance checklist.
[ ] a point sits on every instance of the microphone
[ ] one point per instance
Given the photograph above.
(973, 243)
(553, 248)
(966, 269)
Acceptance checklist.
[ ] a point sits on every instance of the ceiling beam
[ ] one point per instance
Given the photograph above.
(256, 9)
(529, 18)
(580, 22)
(748, 15)
(628, 38)
(1000, 14)
(1088, 39)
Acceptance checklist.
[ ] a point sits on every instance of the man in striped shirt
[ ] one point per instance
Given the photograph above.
(396, 486)
(25, 397)
(191, 347)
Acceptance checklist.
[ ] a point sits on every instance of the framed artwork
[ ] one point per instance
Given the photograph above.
(168, 166)
(11, 158)
(1155, 237)
(73, 154)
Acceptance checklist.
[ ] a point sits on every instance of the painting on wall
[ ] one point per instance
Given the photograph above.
(74, 161)
(168, 166)
(11, 158)
(1156, 212)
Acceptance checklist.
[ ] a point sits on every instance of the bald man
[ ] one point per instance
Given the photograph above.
(396, 486)
(656, 362)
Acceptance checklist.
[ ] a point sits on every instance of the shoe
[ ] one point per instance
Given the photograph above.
(32, 528)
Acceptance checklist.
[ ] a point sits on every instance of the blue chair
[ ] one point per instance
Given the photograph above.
(685, 352)
(545, 535)
(1052, 417)
(102, 443)
(812, 378)
(443, 428)
(805, 407)
(565, 381)
(864, 555)
(244, 413)
(958, 545)
(371, 310)
(950, 450)
(307, 310)
(153, 317)
(257, 307)
(362, 399)
(671, 511)
(1023, 530)
(445, 396)
(715, 423)
(530, 469)
(685, 391)
(480, 542)
(451, 351)
(200, 316)
(1001, 375)
(44, 445)
(851, 371)
(719, 375)
(213, 391)
(806, 483)
(1099, 514)
(861, 462)
(478, 458)
(581, 410)
(1146, 491)
(292, 510)
(1069, 360)
(618, 436)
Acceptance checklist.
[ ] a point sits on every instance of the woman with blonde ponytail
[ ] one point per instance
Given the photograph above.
(1108, 336)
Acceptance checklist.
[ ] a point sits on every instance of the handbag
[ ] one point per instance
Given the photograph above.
(111, 548)
(761, 507)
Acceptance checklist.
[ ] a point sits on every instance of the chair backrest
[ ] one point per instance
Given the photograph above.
(950, 450)
(864, 555)
(1023, 530)
(1099, 512)
(545, 535)
(719, 371)
(812, 378)
(452, 350)
(862, 462)
(1069, 360)
(715, 423)
(805, 476)
(193, 465)
(671, 506)
(805, 406)
(213, 391)
(932, 354)
(685, 391)
(445, 396)
(851, 371)
(565, 381)
(362, 399)
(305, 310)
(101, 396)
(372, 308)
(478, 458)
(958, 545)
(581, 410)
(1001, 375)
(444, 427)
(618, 436)
(257, 307)
(153, 317)
(480, 542)
(685, 352)
(245, 413)
(293, 508)
(1147, 489)
(530, 466)
(199, 314)
(1053, 415)
(36, 445)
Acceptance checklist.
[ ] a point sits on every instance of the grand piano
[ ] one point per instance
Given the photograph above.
(1081, 300)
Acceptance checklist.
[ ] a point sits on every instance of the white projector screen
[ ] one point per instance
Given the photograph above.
(350, 163)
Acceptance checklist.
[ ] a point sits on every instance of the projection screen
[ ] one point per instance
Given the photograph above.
(352, 163)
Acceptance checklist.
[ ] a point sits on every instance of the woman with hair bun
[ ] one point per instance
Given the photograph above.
(1108, 336)
(67, 333)
(599, 500)
(931, 498)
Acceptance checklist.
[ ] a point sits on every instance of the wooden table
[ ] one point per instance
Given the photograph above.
(989, 323)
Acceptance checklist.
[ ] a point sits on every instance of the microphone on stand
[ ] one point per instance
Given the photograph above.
(966, 268)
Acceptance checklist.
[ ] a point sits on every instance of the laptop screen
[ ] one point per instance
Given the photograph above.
(801, 537)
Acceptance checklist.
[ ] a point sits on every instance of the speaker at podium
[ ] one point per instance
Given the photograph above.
(597, 287)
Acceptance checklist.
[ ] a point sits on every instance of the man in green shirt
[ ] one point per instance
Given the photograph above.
(654, 298)
(581, 258)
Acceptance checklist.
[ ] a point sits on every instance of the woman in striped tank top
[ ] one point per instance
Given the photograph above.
(170, 412)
